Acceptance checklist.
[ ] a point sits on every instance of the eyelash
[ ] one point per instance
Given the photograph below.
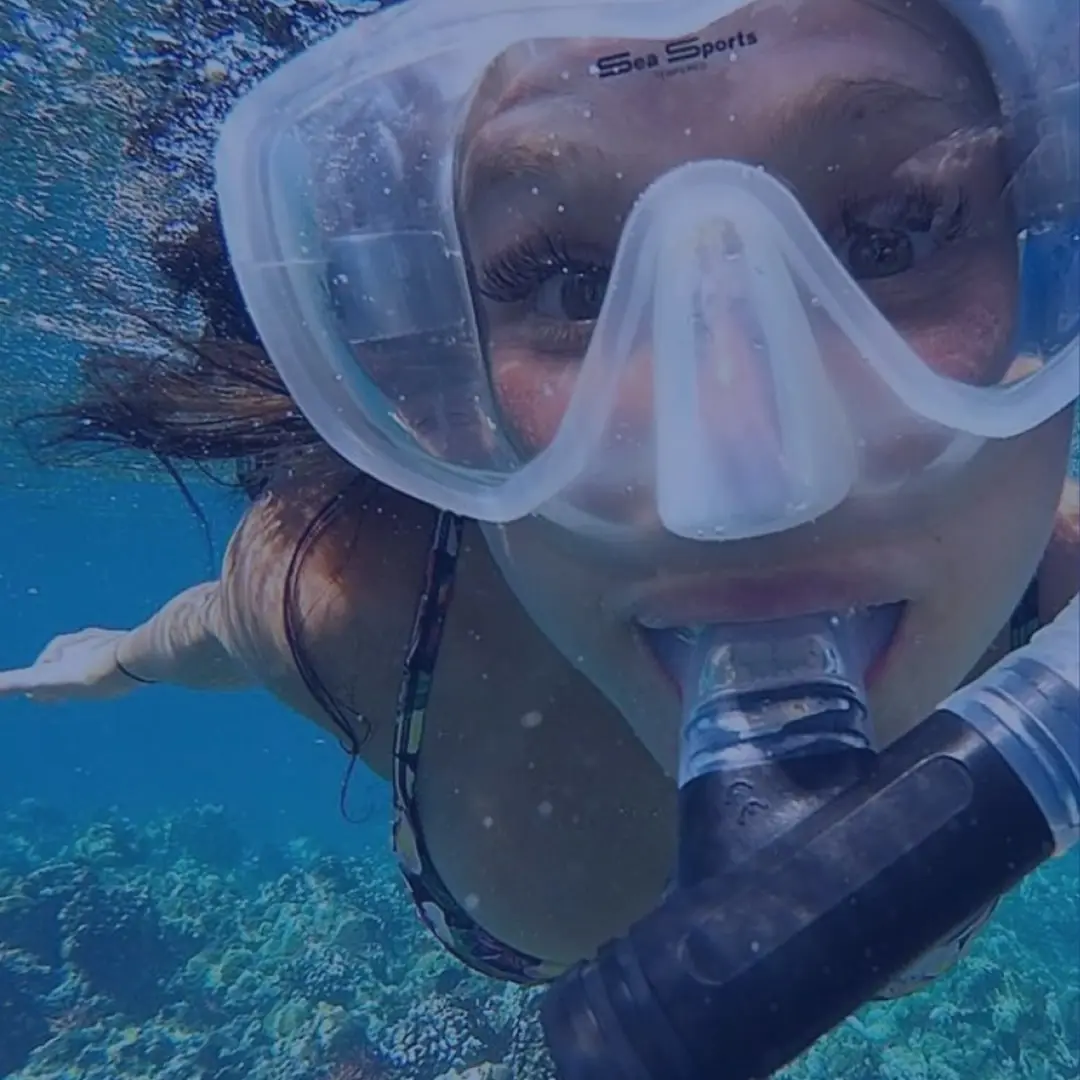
(515, 274)
(512, 277)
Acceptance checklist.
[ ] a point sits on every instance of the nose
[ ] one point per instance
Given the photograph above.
(750, 436)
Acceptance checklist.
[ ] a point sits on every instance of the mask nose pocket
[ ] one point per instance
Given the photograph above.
(751, 436)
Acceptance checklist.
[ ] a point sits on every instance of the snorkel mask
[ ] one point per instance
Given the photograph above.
(753, 324)
(742, 350)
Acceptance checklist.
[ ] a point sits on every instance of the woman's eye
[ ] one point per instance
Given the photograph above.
(572, 295)
(890, 240)
(882, 253)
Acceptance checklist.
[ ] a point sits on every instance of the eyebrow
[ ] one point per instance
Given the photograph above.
(831, 102)
(915, 16)
(536, 157)
(837, 102)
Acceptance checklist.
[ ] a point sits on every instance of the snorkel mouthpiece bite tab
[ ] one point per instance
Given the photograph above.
(760, 692)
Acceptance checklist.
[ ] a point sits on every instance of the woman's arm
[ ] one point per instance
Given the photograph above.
(223, 634)
(183, 644)
(1059, 571)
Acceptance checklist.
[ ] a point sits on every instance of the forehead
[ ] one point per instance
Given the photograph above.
(759, 49)
(785, 81)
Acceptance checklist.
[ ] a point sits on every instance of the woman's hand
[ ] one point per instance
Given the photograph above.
(73, 667)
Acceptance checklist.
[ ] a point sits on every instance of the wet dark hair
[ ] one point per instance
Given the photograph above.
(215, 404)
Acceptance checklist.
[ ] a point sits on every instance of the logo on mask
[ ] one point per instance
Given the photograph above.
(679, 56)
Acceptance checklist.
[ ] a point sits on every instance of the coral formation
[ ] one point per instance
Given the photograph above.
(206, 835)
(23, 1021)
(115, 939)
(168, 949)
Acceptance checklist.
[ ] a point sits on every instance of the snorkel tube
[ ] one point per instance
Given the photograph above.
(811, 870)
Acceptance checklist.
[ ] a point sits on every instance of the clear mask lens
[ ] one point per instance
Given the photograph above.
(564, 258)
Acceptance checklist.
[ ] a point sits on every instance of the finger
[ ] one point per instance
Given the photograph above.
(33, 680)
(18, 681)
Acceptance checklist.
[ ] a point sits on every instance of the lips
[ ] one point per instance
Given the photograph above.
(698, 601)
(874, 628)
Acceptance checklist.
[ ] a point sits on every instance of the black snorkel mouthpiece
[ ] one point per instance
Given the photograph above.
(812, 870)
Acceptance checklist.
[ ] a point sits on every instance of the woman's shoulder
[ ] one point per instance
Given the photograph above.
(297, 541)
(287, 582)
(317, 590)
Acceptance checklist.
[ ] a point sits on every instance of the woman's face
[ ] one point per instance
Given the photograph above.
(881, 118)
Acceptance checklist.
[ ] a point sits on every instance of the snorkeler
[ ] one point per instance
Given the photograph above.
(596, 325)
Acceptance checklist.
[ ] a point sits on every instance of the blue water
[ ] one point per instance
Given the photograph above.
(76, 547)
(179, 894)
(83, 551)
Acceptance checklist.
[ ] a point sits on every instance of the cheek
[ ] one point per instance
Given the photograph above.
(966, 334)
(962, 330)
(976, 561)
(533, 393)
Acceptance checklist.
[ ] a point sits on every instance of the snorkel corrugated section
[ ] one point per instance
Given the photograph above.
(809, 880)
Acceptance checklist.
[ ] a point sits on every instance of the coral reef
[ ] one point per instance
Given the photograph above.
(169, 949)
(206, 835)
(23, 1021)
(116, 940)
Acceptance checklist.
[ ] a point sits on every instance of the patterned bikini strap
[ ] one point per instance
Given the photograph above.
(438, 908)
